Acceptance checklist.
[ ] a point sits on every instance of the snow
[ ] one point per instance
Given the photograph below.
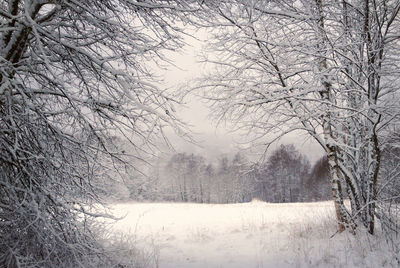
(255, 234)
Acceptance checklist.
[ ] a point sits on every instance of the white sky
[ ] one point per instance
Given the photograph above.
(214, 140)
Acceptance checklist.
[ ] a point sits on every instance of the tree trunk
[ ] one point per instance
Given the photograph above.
(330, 142)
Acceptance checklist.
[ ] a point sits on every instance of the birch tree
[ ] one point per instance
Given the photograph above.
(72, 73)
(326, 68)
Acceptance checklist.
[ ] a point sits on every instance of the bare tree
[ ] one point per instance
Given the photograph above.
(388, 192)
(72, 73)
(317, 184)
(287, 170)
(323, 67)
(189, 178)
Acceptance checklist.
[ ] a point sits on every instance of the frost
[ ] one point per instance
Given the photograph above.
(280, 67)
(255, 234)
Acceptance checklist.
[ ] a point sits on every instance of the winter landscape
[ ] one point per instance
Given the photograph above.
(255, 234)
(199, 133)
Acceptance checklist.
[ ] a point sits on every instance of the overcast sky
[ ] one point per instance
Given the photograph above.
(213, 139)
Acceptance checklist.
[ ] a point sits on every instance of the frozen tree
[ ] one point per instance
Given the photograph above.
(388, 192)
(231, 182)
(72, 73)
(287, 170)
(188, 178)
(317, 184)
(176, 170)
(327, 68)
(185, 176)
(209, 175)
(281, 178)
(259, 174)
(242, 184)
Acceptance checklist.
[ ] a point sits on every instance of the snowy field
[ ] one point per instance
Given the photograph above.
(256, 234)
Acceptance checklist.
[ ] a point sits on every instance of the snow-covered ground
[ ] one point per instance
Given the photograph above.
(255, 234)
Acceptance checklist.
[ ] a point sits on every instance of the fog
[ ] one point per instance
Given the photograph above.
(212, 136)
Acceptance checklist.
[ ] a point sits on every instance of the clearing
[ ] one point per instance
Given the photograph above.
(256, 234)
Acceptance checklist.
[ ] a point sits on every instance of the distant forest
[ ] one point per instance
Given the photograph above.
(285, 176)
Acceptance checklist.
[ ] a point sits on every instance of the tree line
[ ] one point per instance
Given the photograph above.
(285, 176)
